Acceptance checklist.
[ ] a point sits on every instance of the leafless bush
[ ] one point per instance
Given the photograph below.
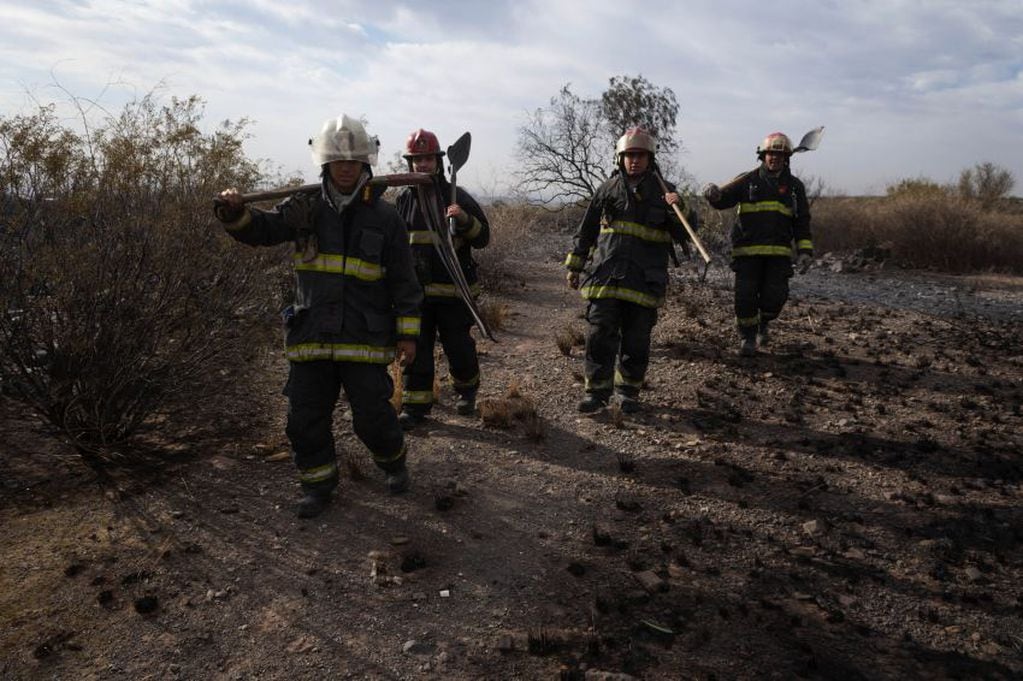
(522, 232)
(116, 293)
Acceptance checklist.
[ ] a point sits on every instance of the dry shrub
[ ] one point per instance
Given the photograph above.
(568, 337)
(494, 313)
(117, 294)
(923, 228)
(503, 412)
(521, 231)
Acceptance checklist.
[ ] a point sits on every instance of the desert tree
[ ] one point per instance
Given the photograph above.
(566, 148)
(986, 182)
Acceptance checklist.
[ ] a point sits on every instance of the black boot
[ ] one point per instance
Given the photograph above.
(410, 419)
(398, 479)
(313, 503)
(627, 403)
(748, 344)
(466, 404)
(592, 402)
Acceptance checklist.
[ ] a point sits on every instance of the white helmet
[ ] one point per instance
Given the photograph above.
(344, 139)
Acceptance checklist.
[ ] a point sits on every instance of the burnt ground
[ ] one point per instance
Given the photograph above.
(844, 506)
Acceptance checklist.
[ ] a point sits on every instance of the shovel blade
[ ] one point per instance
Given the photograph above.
(458, 153)
(810, 140)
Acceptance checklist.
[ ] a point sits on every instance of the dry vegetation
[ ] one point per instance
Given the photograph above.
(116, 296)
(844, 501)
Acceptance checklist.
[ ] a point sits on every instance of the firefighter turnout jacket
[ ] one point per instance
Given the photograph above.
(626, 235)
(356, 291)
(436, 282)
(773, 212)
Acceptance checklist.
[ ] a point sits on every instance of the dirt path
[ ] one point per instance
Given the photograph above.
(846, 506)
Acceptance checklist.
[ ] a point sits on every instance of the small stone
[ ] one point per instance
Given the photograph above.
(650, 581)
(973, 574)
(813, 527)
(445, 593)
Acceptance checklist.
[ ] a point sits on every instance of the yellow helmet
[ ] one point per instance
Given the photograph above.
(776, 141)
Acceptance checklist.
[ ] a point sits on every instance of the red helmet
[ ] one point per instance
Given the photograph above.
(422, 143)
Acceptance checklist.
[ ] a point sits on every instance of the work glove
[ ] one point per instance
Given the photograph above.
(462, 227)
(803, 262)
(711, 191)
(573, 280)
(227, 212)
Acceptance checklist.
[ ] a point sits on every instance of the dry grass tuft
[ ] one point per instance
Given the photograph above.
(617, 416)
(503, 412)
(396, 391)
(494, 313)
(568, 337)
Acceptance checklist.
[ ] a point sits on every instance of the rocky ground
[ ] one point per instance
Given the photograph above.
(846, 505)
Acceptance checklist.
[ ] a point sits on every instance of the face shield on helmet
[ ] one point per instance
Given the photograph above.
(344, 139)
(776, 141)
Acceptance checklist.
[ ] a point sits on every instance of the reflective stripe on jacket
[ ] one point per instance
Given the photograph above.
(434, 278)
(357, 292)
(625, 235)
(772, 213)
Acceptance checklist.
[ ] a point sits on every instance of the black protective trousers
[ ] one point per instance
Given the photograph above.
(313, 390)
(451, 321)
(618, 330)
(761, 289)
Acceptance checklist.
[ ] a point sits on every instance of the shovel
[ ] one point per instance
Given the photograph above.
(810, 140)
(458, 154)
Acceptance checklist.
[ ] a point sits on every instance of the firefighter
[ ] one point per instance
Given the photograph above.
(773, 213)
(356, 307)
(445, 315)
(626, 235)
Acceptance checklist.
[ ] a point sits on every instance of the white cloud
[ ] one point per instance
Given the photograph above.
(893, 81)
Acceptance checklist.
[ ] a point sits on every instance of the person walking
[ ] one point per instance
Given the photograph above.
(773, 215)
(619, 263)
(356, 306)
(444, 313)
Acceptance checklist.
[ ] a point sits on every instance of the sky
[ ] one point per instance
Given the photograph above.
(904, 88)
